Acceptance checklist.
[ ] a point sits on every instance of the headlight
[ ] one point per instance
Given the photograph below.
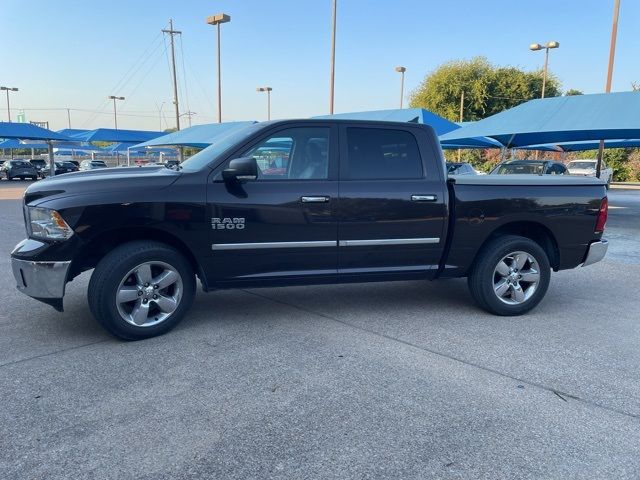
(46, 224)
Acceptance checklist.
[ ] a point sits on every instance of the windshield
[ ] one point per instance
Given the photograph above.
(519, 168)
(586, 165)
(20, 164)
(206, 156)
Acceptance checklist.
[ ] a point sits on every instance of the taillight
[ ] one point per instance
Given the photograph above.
(602, 215)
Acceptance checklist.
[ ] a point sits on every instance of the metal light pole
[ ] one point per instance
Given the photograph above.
(401, 70)
(537, 46)
(160, 113)
(8, 89)
(115, 112)
(217, 20)
(461, 119)
(333, 58)
(268, 90)
(612, 54)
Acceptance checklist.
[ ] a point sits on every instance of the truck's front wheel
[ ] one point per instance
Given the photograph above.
(510, 276)
(141, 290)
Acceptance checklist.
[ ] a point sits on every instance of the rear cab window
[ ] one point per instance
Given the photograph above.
(381, 154)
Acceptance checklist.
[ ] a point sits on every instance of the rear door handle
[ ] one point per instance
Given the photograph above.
(314, 199)
(424, 198)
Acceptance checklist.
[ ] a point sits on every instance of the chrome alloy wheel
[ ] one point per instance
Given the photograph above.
(516, 278)
(149, 294)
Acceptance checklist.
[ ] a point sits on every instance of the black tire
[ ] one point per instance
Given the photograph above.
(111, 271)
(483, 275)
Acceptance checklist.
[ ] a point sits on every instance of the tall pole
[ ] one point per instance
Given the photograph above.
(68, 118)
(544, 73)
(217, 20)
(7, 90)
(461, 118)
(612, 54)
(219, 80)
(333, 58)
(160, 113)
(171, 33)
(8, 108)
(401, 70)
(115, 113)
(268, 90)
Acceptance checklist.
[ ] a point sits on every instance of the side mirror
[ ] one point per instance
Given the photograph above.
(241, 169)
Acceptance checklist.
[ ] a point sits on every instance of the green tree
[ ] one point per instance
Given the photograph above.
(487, 89)
(572, 91)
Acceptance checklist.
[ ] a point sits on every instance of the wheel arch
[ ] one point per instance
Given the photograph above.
(535, 231)
(95, 249)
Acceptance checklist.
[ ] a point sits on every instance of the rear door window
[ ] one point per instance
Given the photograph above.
(381, 154)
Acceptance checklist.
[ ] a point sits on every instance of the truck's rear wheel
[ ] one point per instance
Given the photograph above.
(141, 290)
(510, 276)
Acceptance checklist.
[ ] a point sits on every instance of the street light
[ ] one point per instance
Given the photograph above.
(333, 57)
(8, 89)
(115, 112)
(268, 90)
(607, 88)
(217, 20)
(401, 70)
(537, 46)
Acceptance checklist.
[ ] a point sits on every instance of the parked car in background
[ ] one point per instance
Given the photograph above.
(40, 164)
(19, 169)
(92, 164)
(65, 167)
(460, 168)
(75, 162)
(174, 164)
(529, 167)
(587, 168)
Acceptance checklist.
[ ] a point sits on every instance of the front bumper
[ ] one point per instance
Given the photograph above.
(43, 280)
(596, 252)
(40, 279)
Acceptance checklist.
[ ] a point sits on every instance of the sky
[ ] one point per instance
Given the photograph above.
(72, 54)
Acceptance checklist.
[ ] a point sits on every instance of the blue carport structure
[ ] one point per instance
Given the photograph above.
(129, 137)
(607, 116)
(116, 136)
(413, 115)
(198, 136)
(587, 145)
(27, 131)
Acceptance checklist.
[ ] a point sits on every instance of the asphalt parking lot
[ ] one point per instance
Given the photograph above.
(391, 380)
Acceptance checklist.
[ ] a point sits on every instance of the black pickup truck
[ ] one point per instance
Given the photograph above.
(301, 202)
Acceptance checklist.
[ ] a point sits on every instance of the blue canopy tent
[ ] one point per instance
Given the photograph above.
(28, 131)
(71, 131)
(199, 136)
(13, 143)
(587, 145)
(72, 150)
(414, 115)
(112, 135)
(559, 120)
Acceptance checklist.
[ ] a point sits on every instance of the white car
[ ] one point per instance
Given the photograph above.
(587, 168)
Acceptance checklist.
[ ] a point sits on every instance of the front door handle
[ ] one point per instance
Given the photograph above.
(424, 198)
(314, 199)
